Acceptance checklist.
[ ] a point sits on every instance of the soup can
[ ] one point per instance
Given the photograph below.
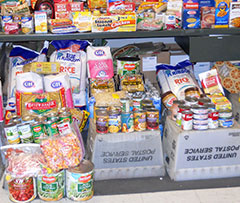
(79, 181)
(181, 108)
(139, 118)
(127, 122)
(137, 103)
(187, 117)
(152, 119)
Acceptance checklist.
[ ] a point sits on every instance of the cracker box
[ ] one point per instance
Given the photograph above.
(191, 16)
(222, 13)
(116, 23)
(40, 22)
(234, 18)
(207, 17)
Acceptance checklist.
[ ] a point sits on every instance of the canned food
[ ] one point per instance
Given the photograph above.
(226, 113)
(114, 121)
(22, 189)
(179, 102)
(63, 109)
(79, 181)
(191, 101)
(127, 122)
(200, 127)
(187, 117)
(213, 115)
(168, 98)
(192, 92)
(210, 106)
(52, 116)
(66, 116)
(41, 119)
(116, 108)
(11, 133)
(64, 127)
(200, 122)
(28, 119)
(152, 119)
(27, 24)
(147, 103)
(105, 108)
(139, 118)
(125, 104)
(137, 103)
(101, 121)
(16, 121)
(181, 108)
(51, 186)
(200, 116)
(25, 133)
(204, 100)
(199, 110)
(212, 124)
(37, 131)
(226, 122)
(51, 127)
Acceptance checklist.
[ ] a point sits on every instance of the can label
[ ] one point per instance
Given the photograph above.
(114, 123)
(212, 124)
(51, 128)
(102, 124)
(127, 122)
(27, 24)
(213, 115)
(25, 133)
(12, 135)
(38, 132)
(139, 121)
(66, 118)
(136, 105)
(152, 120)
(125, 106)
(187, 121)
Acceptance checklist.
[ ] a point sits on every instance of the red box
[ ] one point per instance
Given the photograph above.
(75, 6)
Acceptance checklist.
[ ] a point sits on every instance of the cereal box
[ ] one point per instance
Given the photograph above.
(222, 13)
(40, 22)
(191, 16)
(116, 23)
(207, 17)
(234, 18)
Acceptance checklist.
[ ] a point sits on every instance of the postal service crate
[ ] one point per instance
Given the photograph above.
(191, 155)
(125, 155)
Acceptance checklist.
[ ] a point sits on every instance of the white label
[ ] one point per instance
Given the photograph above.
(149, 63)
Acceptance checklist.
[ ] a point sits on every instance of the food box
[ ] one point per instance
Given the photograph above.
(125, 155)
(40, 22)
(234, 18)
(222, 13)
(114, 23)
(191, 16)
(207, 17)
(192, 155)
(64, 10)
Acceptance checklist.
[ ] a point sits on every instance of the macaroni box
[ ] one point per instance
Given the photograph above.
(191, 16)
(234, 18)
(222, 13)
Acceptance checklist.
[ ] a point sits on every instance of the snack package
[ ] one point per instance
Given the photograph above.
(72, 59)
(98, 85)
(63, 29)
(176, 79)
(99, 62)
(32, 104)
(42, 67)
(132, 83)
(24, 160)
(211, 82)
(29, 83)
(221, 102)
(174, 12)
(53, 83)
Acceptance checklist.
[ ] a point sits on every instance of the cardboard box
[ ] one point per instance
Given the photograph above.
(191, 155)
(234, 17)
(234, 99)
(125, 155)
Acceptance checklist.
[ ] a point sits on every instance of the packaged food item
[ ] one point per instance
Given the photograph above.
(25, 132)
(63, 29)
(116, 6)
(6, 19)
(38, 131)
(51, 127)
(60, 22)
(99, 85)
(181, 108)
(109, 98)
(176, 79)
(207, 17)
(234, 16)
(125, 105)
(11, 133)
(226, 122)
(191, 16)
(191, 100)
(139, 120)
(42, 67)
(192, 92)
(168, 98)
(11, 28)
(36, 104)
(174, 13)
(187, 120)
(63, 10)
(114, 121)
(102, 121)
(152, 118)
(40, 22)
(72, 59)
(128, 65)
(127, 122)
(82, 20)
(222, 13)
(27, 24)
(221, 102)
(132, 83)
(93, 4)
(211, 82)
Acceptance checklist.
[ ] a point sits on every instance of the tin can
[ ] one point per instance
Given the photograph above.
(79, 181)
(204, 100)
(22, 189)
(51, 186)
(27, 24)
(147, 103)
(65, 116)
(226, 113)
(64, 127)
(189, 101)
(52, 116)
(200, 127)
(200, 116)
(28, 119)
(192, 92)
(114, 121)
(139, 118)
(200, 109)
(63, 109)
(41, 119)
(187, 117)
(51, 127)
(11, 133)
(152, 117)
(127, 122)
(125, 104)
(37, 131)
(105, 108)
(101, 121)
(212, 124)
(181, 108)
(226, 122)
(116, 108)
(16, 121)
(6, 19)
(200, 121)
(137, 103)
(25, 133)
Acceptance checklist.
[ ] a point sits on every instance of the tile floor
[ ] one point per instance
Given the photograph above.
(223, 195)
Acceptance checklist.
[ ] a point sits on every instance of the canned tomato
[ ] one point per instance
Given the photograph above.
(139, 118)
(65, 116)
(51, 127)
(37, 131)
(127, 122)
(125, 104)
(51, 186)
(191, 101)
(25, 133)
(187, 117)
(22, 189)
(200, 116)
(114, 121)
(101, 121)
(11, 133)
(152, 117)
(200, 127)
(226, 122)
(181, 108)
(226, 113)
(27, 24)
(79, 181)
(200, 121)
(204, 100)
(137, 103)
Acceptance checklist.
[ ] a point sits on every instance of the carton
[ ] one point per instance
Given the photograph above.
(234, 18)
(207, 17)
(191, 16)
(222, 13)
(192, 155)
(125, 155)
(40, 22)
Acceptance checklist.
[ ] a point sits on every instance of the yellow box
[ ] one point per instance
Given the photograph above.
(40, 22)
(116, 23)
(42, 67)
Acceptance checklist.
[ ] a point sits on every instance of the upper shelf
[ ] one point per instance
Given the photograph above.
(120, 35)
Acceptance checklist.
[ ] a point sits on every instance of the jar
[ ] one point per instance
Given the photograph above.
(168, 98)
(192, 92)
(102, 121)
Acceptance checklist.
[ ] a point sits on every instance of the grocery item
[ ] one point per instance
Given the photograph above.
(52, 116)
(132, 83)
(192, 92)
(11, 133)
(225, 113)
(40, 22)
(181, 108)
(51, 186)
(176, 79)
(189, 101)
(72, 61)
(234, 15)
(199, 109)
(42, 67)
(204, 101)
(65, 116)
(191, 16)
(51, 127)
(152, 118)
(99, 85)
(99, 62)
(93, 4)
(207, 17)
(200, 116)
(46, 6)
(6, 19)
(174, 108)
(109, 98)
(221, 102)
(114, 121)
(139, 118)
(226, 122)
(25, 133)
(101, 121)
(79, 181)
(38, 131)
(128, 65)
(174, 14)
(127, 124)
(11, 28)
(222, 13)
(168, 98)
(200, 127)
(187, 117)
(27, 24)
(82, 20)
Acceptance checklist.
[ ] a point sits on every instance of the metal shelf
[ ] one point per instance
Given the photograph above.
(119, 35)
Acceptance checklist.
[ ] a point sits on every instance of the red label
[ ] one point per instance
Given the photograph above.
(187, 117)
(41, 106)
(37, 129)
(210, 82)
(49, 180)
(68, 69)
(64, 127)
(76, 6)
(129, 66)
(63, 7)
(213, 116)
(181, 80)
(85, 179)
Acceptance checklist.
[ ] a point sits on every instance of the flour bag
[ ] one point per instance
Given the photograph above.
(72, 58)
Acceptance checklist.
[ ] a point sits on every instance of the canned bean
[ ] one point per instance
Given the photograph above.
(51, 127)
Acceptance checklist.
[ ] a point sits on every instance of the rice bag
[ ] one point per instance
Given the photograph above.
(176, 79)
(33, 104)
(99, 62)
(53, 83)
(72, 59)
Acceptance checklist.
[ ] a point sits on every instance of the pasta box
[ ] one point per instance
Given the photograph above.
(234, 18)
(207, 17)
(191, 16)
(222, 13)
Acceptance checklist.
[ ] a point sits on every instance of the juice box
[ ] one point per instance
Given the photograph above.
(222, 13)
(40, 22)
(234, 18)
